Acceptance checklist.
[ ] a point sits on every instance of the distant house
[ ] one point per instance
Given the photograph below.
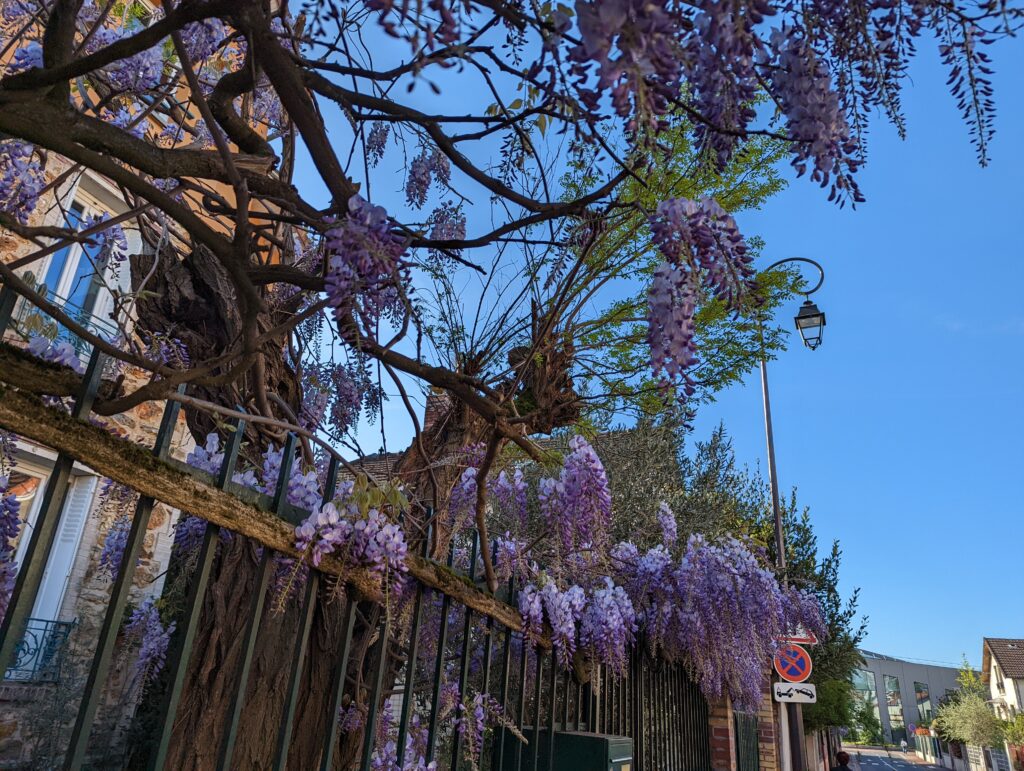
(1002, 670)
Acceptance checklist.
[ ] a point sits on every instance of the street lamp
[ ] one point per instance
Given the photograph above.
(810, 322)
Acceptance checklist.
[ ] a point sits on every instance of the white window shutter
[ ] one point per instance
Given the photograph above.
(62, 558)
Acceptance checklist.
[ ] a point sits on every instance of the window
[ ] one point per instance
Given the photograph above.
(868, 720)
(31, 476)
(77, 276)
(894, 705)
(924, 702)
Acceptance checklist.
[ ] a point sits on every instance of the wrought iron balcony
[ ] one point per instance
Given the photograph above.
(40, 653)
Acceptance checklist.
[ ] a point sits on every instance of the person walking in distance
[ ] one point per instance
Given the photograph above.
(903, 746)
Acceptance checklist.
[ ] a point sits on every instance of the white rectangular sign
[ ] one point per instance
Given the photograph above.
(798, 693)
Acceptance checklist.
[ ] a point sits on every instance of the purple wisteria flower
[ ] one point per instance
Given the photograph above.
(608, 626)
(202, 38)
(135, 74)
(148, 630)
(365, 265)
(363, 541)
(29, 56)
(10, 526)
(578, 505)
(509, 494)
(462, 501)
(114, 544)
(57, 351)
(669, 527)
(377, 141)
(21, 179)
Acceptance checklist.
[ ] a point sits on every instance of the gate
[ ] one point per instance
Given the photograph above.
(747, 755)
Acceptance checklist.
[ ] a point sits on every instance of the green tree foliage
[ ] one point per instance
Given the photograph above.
(966, 716)
(971, 720)
(611, 346)
(1014, 730)
(835, 706)
(866, 726)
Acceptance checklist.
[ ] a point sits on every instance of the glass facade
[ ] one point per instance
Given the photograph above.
(894, 705)
(924, 703)
(866, 695)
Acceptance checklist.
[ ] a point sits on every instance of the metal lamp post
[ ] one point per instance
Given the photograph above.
(810, 323)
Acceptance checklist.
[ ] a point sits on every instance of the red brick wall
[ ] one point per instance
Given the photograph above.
(723, 741)
(767, 735)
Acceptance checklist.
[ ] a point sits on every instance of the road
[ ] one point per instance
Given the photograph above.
(879, 760)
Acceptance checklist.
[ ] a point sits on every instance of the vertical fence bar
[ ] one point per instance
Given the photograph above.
(107, 640)
(8, 299)
(565, 699)
(553, 695)
(489, 639)
(656, 753)
(284, 735)
(605, 692)
(579, 705)
(252, 623)
(442, 642)
(641, 693)
(410, 668)
(623, 685)
(467, 628)
(670, 718)
(44, 532)
(521, 716)
(348, 625)
(185, 637)
(537, 685)
(378, 681)
(498, 761)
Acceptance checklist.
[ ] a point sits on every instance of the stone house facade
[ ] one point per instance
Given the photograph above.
(75, 590)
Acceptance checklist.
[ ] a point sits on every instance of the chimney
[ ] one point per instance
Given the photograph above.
(438, 404)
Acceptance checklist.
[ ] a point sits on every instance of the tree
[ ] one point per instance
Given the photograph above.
(1014, 730)
(970, 720)
(865, 719)
(966, 716)
(835, 707)
(300, 296)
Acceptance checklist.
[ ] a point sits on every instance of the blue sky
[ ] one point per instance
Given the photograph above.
(903, 431)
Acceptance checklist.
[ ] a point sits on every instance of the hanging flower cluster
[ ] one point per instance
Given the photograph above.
(578, 505)
(10, 526)
(114, 544)
(716, 608)
(365, 266)
(428, 167)
(360, 540)
(146, 628)
(57, 351)
(508, 493)
(21, 179)
(702, 247)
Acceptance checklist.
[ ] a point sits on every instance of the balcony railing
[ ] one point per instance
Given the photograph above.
(28, 320)
(40, 653)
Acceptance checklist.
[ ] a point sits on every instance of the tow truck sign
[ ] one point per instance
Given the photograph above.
(798, 693)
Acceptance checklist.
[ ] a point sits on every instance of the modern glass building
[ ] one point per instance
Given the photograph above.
(901, 692)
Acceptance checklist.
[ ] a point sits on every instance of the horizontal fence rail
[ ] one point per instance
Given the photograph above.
(417, 674)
